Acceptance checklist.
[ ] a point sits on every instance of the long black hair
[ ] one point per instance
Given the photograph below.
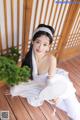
(28, 58)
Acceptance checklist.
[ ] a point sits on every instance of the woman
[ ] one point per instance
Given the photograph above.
(44, 73)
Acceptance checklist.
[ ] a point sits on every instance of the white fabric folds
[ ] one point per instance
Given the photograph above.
(40, 88)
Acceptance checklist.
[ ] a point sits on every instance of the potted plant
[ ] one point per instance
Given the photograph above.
(12, 74)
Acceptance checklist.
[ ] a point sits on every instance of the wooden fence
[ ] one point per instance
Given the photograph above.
(19, 18)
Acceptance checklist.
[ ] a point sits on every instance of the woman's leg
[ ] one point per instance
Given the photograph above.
(61, 105)
(71, 106)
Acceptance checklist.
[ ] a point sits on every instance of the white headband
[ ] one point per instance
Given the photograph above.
(44, 29)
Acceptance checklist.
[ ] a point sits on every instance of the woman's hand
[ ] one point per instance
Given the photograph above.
(54, 101)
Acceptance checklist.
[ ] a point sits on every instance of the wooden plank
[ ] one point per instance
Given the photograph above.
(4, 106)
(62, 115)
(72, 73)
(69, 53)
(54, 116)
(34, 112)
(48, 112)
(18, 108)
(21, 110)
(73, 68)
(77, 60)
(59, 114)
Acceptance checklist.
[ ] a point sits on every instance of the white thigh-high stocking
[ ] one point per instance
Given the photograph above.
(71, 106)
(61, 105)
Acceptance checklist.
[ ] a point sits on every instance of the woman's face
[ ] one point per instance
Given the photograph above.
(41, 45)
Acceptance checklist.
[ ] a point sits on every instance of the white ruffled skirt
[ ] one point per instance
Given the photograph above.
(36, 92)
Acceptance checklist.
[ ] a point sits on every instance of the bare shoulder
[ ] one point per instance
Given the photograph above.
(52, 58)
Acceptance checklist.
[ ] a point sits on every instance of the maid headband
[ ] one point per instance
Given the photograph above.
(44, 29)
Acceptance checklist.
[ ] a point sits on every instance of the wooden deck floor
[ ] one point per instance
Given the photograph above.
(19, 109)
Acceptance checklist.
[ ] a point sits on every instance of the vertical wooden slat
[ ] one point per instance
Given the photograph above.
(75, 30)
(69, 22)
(46, 11)
(18, 14)
(55, 14)
(78, 27)
(38, 12)
(51, 11)
(32, 24)
(28, 15)
(0, 43)
(68, 11)
(12, 21)
(58, 16)
(57, 21)
(75, 26)
(5, 20)
(41, 11)
(35, 14)
(26, 24)
(60, 24)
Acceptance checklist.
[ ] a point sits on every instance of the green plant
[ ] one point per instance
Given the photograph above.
(13, 54)
(12, 74)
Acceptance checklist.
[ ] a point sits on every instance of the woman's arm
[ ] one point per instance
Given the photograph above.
(52, 66)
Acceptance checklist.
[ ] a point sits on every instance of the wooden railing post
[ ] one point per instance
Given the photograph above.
(26, 24)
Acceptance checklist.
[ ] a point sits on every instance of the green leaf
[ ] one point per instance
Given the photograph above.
(11, 73)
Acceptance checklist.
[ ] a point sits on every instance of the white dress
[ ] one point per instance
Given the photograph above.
(37, 91)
